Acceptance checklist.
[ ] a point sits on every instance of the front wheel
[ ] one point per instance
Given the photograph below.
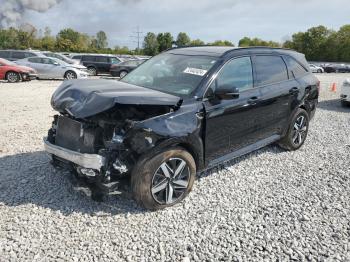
(13, 77)
(297, 131)
(319, 71)
(163, 180)
(70, 75)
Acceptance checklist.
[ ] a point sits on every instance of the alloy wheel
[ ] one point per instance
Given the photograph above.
(12, 77)
(170, 181)
(123, 73)
(71, 75)
(92, 71)
(299, 130)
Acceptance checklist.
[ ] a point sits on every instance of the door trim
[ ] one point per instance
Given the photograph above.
(245, 150)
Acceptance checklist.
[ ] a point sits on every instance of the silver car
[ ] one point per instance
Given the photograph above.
(52, 68)
(61, 57)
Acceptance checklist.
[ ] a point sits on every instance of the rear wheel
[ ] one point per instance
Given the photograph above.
(70, 75)
(319, 71)
(164, 180)
(12, 77)
(345, 103)
(297, 131)
(122, 74)
(92, 70)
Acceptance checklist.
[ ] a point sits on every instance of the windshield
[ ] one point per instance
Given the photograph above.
(170, 73)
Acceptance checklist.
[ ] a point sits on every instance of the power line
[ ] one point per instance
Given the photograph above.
(137, 35)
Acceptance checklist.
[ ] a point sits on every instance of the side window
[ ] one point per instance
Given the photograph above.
(18, 55)
(89, 58)
(297, 69)
(102, 59)
(114, 60)
(270, 69)
(236, 73)
(27, 54)
(34, 60)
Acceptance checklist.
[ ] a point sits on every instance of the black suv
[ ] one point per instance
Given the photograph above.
(179, 113)
(97, 64)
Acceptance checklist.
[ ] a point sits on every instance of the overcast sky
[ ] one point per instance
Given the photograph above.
(208, 20)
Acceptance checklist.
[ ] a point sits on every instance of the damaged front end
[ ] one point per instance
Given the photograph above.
(100, 134)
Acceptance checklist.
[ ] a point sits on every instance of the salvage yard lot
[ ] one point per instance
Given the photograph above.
(270, 204)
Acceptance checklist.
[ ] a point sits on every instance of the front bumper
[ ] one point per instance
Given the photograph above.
(29, 76)
(90, 161)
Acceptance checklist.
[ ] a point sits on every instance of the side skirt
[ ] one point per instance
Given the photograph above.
(244, 150)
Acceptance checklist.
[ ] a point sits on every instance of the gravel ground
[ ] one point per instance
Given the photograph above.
(268, 205)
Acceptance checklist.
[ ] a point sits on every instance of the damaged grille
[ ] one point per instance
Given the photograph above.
(76, 136)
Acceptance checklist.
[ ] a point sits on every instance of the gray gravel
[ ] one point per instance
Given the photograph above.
(268, 205)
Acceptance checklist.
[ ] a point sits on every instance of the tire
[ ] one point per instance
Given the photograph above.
(319, 71)
(92, 70)
(13, 77)
(123, 73)
(154, 188)
(70, 75)
(297, 131)
(344, 103)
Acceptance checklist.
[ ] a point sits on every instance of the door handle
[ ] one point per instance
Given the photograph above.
(294, 91)
(253, 100)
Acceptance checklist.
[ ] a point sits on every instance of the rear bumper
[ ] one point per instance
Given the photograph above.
(91, 161)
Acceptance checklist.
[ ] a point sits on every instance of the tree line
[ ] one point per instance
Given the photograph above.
(317, 43)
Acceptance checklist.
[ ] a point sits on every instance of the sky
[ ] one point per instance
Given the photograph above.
(208, 20)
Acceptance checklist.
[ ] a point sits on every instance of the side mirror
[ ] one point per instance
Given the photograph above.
(56, 64)
(227, 92)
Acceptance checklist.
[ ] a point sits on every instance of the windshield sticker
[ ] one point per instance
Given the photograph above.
(195, 71)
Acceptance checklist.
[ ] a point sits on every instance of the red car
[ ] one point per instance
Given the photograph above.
(13, 73)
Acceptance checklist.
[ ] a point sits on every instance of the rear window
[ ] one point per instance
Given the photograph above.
(270, 69)
(297, 69)
(4, 54)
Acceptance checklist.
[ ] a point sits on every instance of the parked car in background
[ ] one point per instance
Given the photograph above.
(345, 93)
(98, 64)
(14, 55)
(316, 69)
(337, 68)
(61, 57)
(181, 112)
(123, 68)
(52, 68)
(14, 73)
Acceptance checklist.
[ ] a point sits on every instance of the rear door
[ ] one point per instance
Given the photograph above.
(277, 92)
(103, 64)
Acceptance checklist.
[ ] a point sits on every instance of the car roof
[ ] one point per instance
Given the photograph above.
(221, 51)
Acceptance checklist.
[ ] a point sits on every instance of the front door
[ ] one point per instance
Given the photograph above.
(231, 123)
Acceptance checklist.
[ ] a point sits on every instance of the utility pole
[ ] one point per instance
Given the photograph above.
(137, 35)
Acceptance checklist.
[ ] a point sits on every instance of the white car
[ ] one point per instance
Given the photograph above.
(345, 93)
(316, 69)
(52, 68)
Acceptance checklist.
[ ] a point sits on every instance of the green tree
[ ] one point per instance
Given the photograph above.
(101, 40)
(222, 43)
(246, 41)
(183, 39)
(150, 45)
(343, 41)
(165, 41)
(197, 42)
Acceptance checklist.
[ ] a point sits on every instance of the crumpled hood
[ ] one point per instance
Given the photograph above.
(85, 97)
